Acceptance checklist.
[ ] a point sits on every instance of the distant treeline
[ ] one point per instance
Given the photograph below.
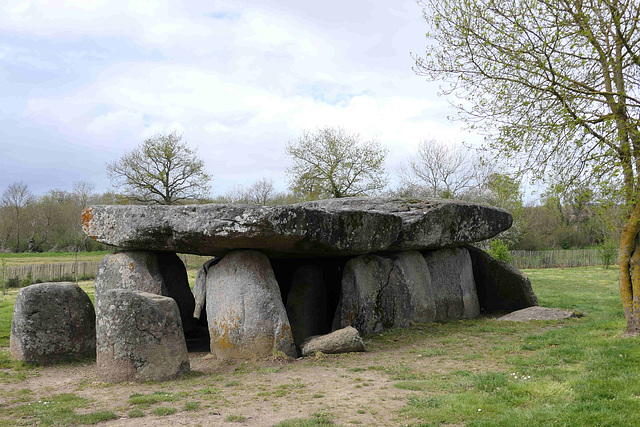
(51, 222)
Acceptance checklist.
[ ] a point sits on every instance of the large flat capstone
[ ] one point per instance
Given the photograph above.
(349, 226)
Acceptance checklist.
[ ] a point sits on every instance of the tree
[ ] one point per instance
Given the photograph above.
(332, 162)
(554, 87)
(16, 198)
(261, 192)
(443, 170)
(161, 170)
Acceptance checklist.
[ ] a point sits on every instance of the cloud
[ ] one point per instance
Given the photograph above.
(238, 80)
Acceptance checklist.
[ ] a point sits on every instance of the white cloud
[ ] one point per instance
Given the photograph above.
(237, 79)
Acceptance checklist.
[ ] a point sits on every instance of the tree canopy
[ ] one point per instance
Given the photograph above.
(161, 170)
(554, 86)
(446, 170)
(332, 162)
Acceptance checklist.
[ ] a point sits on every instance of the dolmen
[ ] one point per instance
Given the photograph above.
(281, 277)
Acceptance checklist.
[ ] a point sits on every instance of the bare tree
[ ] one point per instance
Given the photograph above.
(444, 170)
(16, 198)
(261, 192)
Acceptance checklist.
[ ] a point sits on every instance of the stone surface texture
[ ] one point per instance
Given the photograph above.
(307, 303)
(500, 286)
(452, 283)
(380, 292)
(139, 337)
(200, 287)
(147, 271)
(53, 322)
(428, 223)
(537, 313)
(247, 318)
(348, 226)
(217, 229)
(344, 340)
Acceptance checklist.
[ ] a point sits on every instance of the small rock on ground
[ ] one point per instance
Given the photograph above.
(537, 313)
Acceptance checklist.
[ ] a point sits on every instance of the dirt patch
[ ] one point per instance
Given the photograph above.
(353, 388)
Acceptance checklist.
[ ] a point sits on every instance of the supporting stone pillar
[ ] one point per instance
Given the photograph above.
(246, 316)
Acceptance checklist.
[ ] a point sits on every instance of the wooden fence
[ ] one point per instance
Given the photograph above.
(560, 258)
(88, 269)
(53, 272)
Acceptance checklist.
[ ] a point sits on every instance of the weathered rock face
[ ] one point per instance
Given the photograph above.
(218, 229)
(200, 287)
(453, 284)
(139, 337)
(307, 303)
(537, 313)
(500, 286)
(246, 316)
(53, 322)
(348, 226)
(428, 223)
(344, 340)
(154, 272)
(384, 291)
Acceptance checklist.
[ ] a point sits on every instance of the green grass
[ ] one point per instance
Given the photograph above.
(477, 372)
(317, 419)
(163, 411)
(50, 257)
(573, 373)
(59, 410)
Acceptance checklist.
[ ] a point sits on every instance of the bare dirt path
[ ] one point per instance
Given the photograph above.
(348, 389)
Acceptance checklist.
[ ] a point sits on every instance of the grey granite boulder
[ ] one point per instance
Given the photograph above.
(537, 313)
(307, 303)
(384, 291)
(428, 223)
(246, 316)
(158, 273)
(453, 284)
(139, 337)
(344, 340)
(200, 287)
(53, 322)
(217, 229)
(500, 285)
(347, 226)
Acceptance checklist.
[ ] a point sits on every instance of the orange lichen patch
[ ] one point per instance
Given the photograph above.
(131, 266)
(286, 333)
(223, 328)
(87, 218)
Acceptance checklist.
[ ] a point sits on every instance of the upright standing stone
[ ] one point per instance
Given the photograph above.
(200, 287)
(500, 285)
(139, 337)
(307, 303)
(381, 292)
(246, 316)
(53, 322)
(154, 272)
(453, 284)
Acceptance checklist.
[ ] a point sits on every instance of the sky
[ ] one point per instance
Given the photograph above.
(85, 81)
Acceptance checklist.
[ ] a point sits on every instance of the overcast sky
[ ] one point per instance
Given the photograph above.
(84, 81)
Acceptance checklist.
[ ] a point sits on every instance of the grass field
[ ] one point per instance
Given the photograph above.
(480, 372)
(49, 257)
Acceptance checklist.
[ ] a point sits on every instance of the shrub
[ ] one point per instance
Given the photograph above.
(499, 249)
(608, 252)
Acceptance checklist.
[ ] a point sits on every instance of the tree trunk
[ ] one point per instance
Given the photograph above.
(630, 271)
